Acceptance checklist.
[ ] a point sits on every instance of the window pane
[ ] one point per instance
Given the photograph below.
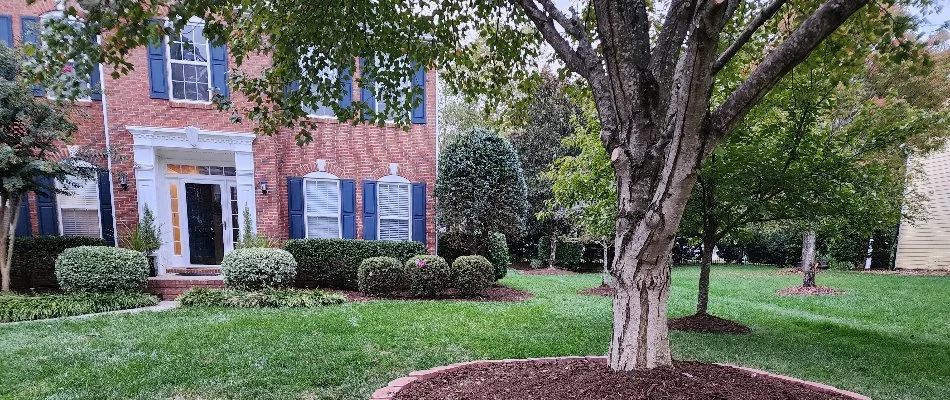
(323, 227)
(178, 90)
(178, 72)
(394, 229)
(175, 49)
(203, 93)
(80, 222)
(393, 200)
(191, 91)
(323, 197)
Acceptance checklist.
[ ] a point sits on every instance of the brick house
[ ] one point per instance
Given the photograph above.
(175, 153)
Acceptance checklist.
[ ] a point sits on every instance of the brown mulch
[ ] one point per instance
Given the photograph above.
(548, 271)
(602, 290)
(578, 379)
(706, 323)
(801, 290)
(493, 293)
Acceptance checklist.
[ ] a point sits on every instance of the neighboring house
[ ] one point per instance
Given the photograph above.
(198, 171)
(925, 244)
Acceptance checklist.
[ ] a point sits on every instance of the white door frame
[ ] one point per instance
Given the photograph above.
(225, 201)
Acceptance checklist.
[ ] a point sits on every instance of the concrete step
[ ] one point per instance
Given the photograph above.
(170, 286)
(194, 270)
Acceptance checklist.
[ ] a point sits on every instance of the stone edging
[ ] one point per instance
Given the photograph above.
(389, 391)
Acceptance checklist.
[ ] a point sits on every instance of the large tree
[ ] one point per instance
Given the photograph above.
(651, 67)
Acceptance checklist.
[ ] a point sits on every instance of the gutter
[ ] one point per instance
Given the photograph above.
(105, 126)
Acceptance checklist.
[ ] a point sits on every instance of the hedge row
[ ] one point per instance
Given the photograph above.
(334, 263)
(34, 259)
(452, 246)
(425, 275)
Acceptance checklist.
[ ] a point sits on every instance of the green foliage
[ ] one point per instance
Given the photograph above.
(334, 263)
(266, 298)
(258, 268)
(472, 274)
(497, 255)
(382, 276)
(251, 239)
(452, 246)
(428, 275)
(543, 252)
(28, 308)
(101, 269)
(569, 255)
(34, 259)
(480, 189)
(774, 244)
(145, 236)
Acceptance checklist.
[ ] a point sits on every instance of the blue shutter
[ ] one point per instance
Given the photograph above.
(219, 69)
(366, 94)
(46, 206)
(23, 225)
(94, 85)
(157, 70)
(348, 208)
(347, 100)
(6, 30)
(105, 208)
(29, 30)
(419, 99)
(419, 212)
(369, 210)
(295, 207)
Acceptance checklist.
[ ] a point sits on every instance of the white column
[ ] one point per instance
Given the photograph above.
(147, 189)
(246, 189)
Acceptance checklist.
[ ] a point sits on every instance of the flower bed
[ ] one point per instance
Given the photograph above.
(28, 308)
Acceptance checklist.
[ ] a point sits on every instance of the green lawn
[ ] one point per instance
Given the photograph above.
(888, 338)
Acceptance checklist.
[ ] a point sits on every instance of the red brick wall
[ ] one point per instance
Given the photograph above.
(352, 152)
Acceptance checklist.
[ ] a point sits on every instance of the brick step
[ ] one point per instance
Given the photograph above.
(170, 286)
(196, 271)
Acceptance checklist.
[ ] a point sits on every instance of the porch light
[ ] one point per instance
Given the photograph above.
(264, 187)
(123, 181)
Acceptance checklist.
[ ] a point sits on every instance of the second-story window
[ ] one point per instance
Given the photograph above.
(189, 64)
(322, 110)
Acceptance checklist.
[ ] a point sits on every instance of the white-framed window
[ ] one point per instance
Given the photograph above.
(382, 107)
(79, 211)
(393, 202)
(189, 64)
(322, 110)
(322, 208)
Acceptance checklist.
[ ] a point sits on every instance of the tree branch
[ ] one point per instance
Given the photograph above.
(545, 23)
(822, 23)
(670, 41)
(766, 14)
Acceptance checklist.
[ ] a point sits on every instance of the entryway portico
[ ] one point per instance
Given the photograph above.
(198, 183)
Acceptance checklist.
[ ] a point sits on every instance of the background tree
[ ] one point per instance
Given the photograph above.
(652, 69)
(480, 190)
(32, 131)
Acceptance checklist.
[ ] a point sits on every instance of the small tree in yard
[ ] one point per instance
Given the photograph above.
(31, 132)
(480, 190)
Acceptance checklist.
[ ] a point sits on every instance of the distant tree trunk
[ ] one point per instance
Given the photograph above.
(552, 256)
(702, 301)
(605, 274)
(808, 259)
(709, 229)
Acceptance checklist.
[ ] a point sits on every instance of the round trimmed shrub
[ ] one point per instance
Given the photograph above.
(428, 275)
(472, 273)
(101, 269)
(258, 268)
(382, 275)
(497, 255)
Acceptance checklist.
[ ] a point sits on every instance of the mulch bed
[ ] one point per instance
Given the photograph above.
(706, 323)
(801, 290)
(576, 379)
(548, 271)
(602, 290)
(493, 293)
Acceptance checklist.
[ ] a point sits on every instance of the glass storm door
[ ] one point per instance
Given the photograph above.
(205, 223)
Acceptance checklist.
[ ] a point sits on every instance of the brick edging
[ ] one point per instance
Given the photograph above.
(389, 391)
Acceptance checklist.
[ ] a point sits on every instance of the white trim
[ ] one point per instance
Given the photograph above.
(394, 180)
(324, 177)
(321, 175)
(204, 139)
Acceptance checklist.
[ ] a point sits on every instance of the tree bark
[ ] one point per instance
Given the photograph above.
(552, 257)
(808, 259)
(702, 300)
(605, 275)
(9, 213)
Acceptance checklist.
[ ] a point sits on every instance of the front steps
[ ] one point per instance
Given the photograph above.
(171, 285)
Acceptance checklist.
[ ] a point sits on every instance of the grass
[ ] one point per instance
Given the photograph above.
(15, 307)
(888, 338)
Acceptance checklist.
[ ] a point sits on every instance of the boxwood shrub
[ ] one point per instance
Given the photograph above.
(28, 308)
(497, 255)
(472, 274)
(334, 263)
(428, 275)
(33, 265)
(568, 256)
(257, 268)
(101, 269)
(382, 276)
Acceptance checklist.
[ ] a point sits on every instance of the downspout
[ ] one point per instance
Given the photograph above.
(105, 125)
(438, 107)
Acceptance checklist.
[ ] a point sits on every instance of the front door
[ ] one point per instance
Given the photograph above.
(205, 223)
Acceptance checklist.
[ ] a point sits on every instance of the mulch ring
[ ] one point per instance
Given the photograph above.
(575, 378)
(602, 290)
(493, 293)
(548, 271)
(706, 323)
(816, 290)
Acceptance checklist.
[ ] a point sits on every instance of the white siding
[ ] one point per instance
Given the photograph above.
(926, 244)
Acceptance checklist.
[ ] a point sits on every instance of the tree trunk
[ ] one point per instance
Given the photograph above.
(552, 257)
(605, 275)
(9, 213)
(808, 259)
(702, 300)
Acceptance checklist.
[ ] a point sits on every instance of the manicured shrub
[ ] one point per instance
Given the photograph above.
(334, 263)
(28, 308)
(472, 274)
(101, 269)
(266, 298)
(382, 276)
(258, 268)
(568, 255)
(428, 275)
(34, 259)
(497, 255)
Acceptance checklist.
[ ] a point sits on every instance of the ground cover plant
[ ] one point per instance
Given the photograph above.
(264, 298)
(886, 338)
(30, 307)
